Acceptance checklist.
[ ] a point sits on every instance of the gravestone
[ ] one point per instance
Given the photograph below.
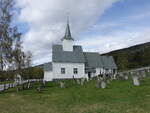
(143, 74)
(121, 76)
(103, 84)
(126, 76)
(112, 77)
(28, 85)
(39, 90)
(108, 77)
(107, 80)
(98, 83)
(78, 81)
(62, 84)
(136, 80)
(82, 81)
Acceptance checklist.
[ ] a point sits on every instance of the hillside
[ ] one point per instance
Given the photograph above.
(132, 57)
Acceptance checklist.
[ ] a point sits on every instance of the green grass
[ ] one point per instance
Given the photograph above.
(118, 97)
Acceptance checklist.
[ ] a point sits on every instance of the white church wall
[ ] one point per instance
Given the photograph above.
(68, 70)
(93, 75)
(102, 71)
(108, 71)
(99, 71)
(86, 76)
(48, 75)
(67, 45)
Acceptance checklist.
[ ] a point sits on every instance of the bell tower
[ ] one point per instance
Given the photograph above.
(67, 40)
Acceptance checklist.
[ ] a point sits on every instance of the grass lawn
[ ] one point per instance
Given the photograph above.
(118, 97)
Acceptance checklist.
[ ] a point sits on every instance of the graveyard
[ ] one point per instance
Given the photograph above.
(119, 96)
(67, 56)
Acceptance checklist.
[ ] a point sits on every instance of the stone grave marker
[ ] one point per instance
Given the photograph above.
(62, 84)
(136, 78)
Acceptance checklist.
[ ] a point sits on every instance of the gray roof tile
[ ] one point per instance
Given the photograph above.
(92, 59)
(67, 56)
(108, 62)
(48, 66)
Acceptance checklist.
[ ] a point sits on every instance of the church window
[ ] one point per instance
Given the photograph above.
(75, 70)
(62, 70)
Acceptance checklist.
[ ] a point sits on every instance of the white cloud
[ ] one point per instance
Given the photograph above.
(116, 40)
(47, 19)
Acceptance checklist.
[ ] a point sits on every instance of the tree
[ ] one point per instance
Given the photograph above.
(122, 61)
(18, 58)
(8, 33)
(27, 69)
(11, 55)
(21, 60)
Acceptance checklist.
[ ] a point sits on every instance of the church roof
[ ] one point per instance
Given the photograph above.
(108, 62)
(48, 66)
(67, 33)
(75, 56)
(92, 59)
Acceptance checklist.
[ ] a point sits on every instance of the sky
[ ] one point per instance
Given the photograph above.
(98, 25)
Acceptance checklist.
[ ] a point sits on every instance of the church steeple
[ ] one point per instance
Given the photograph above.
(67, 33)
(67, 40)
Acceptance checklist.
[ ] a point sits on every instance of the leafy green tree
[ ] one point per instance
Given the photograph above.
(11, 55)
(122, 61)
(7, 32)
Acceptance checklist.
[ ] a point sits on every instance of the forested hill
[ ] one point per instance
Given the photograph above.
(132, 57)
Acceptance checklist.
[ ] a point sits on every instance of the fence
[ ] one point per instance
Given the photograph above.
(6, 86)
(137, 70)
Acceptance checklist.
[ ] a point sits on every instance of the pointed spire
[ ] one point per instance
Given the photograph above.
(67, 33)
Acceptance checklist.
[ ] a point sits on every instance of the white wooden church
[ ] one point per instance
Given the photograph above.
(69, 61)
